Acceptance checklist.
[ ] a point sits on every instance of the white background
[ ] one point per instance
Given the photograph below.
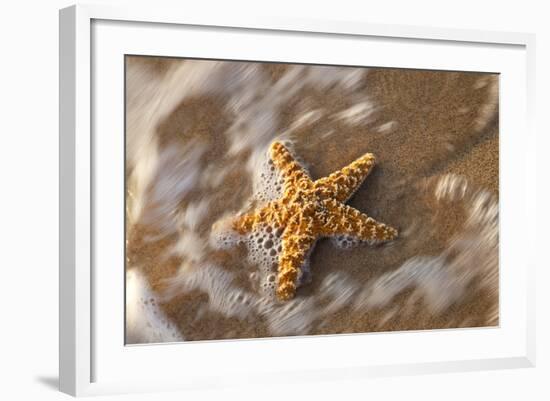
(112, 361)
(28, 212)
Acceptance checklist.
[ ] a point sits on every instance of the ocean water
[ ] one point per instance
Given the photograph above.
(197, 137)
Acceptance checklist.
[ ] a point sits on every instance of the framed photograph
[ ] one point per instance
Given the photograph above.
(275, 199)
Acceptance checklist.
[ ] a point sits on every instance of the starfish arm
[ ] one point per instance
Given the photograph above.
(284, 161)
(341, 184)
(346, 220)
(297, 242)
(272, 214)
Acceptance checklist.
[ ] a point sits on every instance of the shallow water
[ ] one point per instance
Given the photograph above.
(197, 140)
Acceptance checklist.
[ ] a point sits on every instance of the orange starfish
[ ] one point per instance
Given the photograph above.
(309, 210)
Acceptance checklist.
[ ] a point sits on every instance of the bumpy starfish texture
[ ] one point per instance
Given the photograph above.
(309, 210)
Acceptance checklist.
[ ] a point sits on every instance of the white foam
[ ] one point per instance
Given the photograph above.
(223, 296)
(470, 257)
(300, 316)
(431, 278)
(294, 317)
(194, 214)
(267, 182)
(151, 97)
(387, 127)
(451, 187)
(256, 102)
(302, 120)
(326, 76)
(489, 108)
(264, 247)
(190, 245)
(359, 113)
(145, 322)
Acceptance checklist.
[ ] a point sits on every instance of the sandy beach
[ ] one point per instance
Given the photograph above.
(197, 133)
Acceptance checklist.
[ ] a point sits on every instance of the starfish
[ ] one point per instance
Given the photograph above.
(309, 210)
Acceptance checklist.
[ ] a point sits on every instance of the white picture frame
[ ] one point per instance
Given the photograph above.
(85, 350)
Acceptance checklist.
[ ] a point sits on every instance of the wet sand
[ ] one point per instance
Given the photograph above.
(427, 129)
